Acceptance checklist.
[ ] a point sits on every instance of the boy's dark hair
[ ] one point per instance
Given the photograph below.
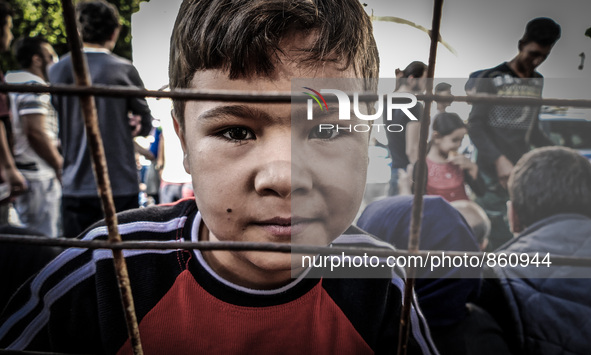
(542, 30)
(97, 20)
(5, 11)
(442, 87)
(25, 48)
(549, 181)
(445, 123)
(243, 37)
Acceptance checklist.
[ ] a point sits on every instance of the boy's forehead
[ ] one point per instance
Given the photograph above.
(279, 80)
(292, 62)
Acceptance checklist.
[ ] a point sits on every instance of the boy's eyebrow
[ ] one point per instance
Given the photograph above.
(241, 111)
(251, 113)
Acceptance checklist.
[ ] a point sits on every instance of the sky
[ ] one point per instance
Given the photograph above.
(484, 33)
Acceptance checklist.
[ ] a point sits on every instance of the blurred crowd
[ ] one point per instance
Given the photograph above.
(48, 185)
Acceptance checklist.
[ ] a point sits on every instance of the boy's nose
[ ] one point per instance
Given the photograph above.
(274, 178)
(274, 175)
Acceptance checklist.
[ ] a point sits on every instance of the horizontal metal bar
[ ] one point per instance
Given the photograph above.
(254, 246)
(126, 91)
(268, 96)
(491, 99)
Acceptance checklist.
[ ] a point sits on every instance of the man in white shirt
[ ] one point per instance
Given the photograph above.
(35, 130)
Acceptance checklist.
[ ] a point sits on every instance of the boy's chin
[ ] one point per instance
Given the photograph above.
(271, 262)
(281, 267)
(252, 269)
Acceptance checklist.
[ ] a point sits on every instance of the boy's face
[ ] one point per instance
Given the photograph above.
(251, 186)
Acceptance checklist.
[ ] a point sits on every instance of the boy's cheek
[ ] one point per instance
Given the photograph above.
(339, 179)
(186, 164)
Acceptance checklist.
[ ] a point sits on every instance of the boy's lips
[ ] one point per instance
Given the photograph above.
(284, 226)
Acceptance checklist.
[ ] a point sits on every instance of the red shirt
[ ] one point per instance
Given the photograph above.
(445, 180)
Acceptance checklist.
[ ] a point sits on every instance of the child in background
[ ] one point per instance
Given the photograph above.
(448, 171)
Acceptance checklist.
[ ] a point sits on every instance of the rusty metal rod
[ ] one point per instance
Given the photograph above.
(99, 163)
(270, 96)
(421, 167)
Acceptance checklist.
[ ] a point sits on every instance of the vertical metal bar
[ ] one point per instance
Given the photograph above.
(421, 170)
(99, 163)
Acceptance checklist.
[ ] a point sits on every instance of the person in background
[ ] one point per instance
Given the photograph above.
(12, 182)
(503, 133)
(35, 130)
(98, 23)
(404, 145)
(448, 172)
(443, 293)
(544, 306)
(442, 89)
(148, 175)
(154, 170)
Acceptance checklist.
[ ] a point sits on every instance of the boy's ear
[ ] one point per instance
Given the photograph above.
(181, 134)
(178, 129)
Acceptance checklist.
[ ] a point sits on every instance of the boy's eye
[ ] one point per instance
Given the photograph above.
(320, 132)
(238, 134)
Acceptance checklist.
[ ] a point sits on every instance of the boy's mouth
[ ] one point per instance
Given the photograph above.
(280, 221)
(283, 226)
